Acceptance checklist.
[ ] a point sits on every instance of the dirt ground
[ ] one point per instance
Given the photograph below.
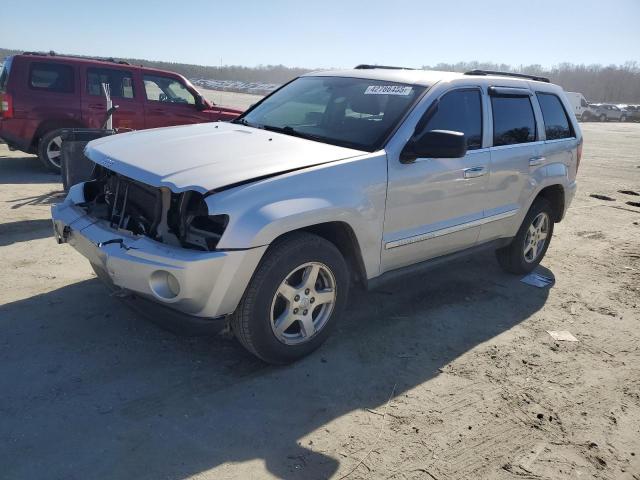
(448, 375)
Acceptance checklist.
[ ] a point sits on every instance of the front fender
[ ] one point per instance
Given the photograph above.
(349, 191)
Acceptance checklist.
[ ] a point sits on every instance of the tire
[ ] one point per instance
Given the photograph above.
(277, 287)
(623, 118)
(603, 118)
(49, 150)
(519, 256)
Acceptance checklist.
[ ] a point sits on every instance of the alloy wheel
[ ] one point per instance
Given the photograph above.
(536, 237)
(303, 303)
(54, 150)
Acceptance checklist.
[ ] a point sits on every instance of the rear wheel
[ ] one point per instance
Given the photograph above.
(50, 150)
(603, 118)
(623, 118)
(293, 300)
(528, 247)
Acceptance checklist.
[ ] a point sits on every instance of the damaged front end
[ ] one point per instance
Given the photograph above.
(154, 244)
(177, 219)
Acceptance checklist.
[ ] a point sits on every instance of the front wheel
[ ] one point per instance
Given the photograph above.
(528, 247)
(293, 300)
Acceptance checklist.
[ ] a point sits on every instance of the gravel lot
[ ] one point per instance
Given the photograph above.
(230, 99)
(450, 375)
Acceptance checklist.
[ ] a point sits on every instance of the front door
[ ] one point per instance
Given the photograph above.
(435, 205)
(169, 102)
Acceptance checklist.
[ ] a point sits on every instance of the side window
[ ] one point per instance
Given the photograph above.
(167, 90)
(513, 120)
(53, 77)
(583, 103)
(460, 111)
(120, 82)
(556, 122)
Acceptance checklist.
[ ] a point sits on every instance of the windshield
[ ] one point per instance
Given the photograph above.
(4, 74)
(350, 112)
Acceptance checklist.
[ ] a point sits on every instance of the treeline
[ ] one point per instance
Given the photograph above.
(261, 73)
(598, 83)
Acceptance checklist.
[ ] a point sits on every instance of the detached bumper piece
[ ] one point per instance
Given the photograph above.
(197, 283)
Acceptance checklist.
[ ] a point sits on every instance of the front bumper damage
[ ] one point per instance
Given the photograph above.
(201, 284)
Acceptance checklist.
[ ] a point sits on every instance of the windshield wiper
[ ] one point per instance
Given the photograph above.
(287, 130)
(242, 121)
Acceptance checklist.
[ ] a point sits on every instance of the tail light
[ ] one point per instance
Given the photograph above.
(6, 106)
(579, 156)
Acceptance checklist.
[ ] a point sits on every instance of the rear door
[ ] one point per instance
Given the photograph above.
(51, 95)
(168, 101)
(434, 205)
(516, 149)
(560, 142)
(614, 112)
(130, 112)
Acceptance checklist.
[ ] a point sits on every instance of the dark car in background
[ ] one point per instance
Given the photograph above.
(633, 113)
(41, 94)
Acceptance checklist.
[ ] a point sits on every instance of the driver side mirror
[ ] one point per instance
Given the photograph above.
(435, 144)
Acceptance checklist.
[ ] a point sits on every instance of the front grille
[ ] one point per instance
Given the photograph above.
(132, 205)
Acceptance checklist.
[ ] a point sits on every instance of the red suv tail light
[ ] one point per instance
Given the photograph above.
(6, 105)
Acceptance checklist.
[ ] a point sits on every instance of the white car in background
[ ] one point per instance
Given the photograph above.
(580, 106)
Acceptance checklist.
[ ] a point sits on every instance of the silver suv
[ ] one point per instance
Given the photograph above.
(336, 178)
(605, 112)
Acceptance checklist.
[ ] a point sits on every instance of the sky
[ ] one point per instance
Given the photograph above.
(329, 33)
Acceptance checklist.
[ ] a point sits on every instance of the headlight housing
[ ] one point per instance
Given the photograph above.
(195, 227)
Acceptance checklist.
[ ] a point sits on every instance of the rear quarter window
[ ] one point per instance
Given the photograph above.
(556, 122)
(4, 74)
(52, 77)
(513, 120)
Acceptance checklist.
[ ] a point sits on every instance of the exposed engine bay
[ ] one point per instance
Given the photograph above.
(179, 219)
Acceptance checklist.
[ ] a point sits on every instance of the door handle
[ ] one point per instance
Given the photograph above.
(474, 172)
(534, 161)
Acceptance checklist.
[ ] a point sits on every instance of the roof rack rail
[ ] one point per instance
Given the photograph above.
(51, 53)
(508, 74)
(44, 54)
(365, 66)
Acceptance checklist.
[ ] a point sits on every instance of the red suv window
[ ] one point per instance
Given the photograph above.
(167, 90)
(120, 82)
(53, 77)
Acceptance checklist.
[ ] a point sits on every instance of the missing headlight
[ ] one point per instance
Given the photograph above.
(190, 220)
(205, 232)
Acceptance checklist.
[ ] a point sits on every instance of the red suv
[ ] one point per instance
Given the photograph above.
(40, 94)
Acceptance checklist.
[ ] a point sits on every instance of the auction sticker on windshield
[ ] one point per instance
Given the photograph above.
(388, 90)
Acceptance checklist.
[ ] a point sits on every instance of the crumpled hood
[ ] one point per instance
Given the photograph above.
(208, 156)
